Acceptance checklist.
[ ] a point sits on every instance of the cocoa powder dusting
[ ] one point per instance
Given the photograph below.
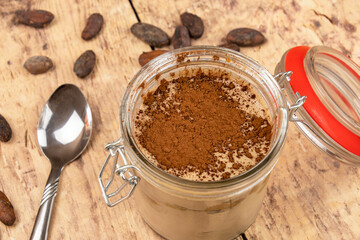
(196, 124)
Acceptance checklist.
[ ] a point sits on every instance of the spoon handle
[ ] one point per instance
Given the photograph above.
(42, 222)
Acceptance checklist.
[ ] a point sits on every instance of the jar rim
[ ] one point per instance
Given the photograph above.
(154, 66)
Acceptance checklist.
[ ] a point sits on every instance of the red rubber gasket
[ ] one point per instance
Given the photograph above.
(294, 62)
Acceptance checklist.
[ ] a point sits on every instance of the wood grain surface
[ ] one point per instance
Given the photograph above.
(310, 195)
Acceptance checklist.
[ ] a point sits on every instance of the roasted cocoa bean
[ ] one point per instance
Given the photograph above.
(146, 57)
(181, 37)
(34, 18)
(5, 130)
(85, 64)
(193, 23)
(245, 37)
(150, 34)
(93, 26)
(231, 46)
(7, 214)
(38, 64)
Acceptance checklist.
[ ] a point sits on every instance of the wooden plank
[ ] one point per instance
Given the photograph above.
(79, 212)
(310, 196)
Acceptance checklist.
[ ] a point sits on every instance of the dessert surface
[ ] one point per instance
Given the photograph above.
(205, 125)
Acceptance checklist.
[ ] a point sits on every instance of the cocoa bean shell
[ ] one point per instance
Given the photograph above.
(5, 130)
(85, 64)
(245, 37)
(231, 46)
(7, 213)
(93, 26)
(146, 57)
(38, 64)
(34, 18)
(193, 23)
(181, 37)
(150, 34)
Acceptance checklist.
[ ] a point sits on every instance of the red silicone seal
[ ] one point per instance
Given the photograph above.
(294, 62)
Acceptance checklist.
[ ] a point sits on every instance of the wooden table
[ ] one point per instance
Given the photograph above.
(310, 195)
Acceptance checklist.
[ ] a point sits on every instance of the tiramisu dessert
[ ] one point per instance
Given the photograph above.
(203, 125)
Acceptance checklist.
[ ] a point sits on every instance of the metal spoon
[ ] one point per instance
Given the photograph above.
(63, 131)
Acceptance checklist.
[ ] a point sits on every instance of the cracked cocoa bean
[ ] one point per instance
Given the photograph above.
(146, 57)
(34, 18)
(85, 64)
(150, 34)
(193, 23)
(5, 130)
(245, 37)
(231, 46)
(93, 26)
(38, 64)
(7, 214)
(181, 37)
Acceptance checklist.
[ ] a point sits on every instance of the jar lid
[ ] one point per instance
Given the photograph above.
(330, 116)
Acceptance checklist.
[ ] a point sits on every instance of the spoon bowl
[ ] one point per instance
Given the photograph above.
(63, 132)
(65, 125)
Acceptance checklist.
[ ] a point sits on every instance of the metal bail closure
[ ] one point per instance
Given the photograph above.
(282, 78)
(115, 149)
(293, 108)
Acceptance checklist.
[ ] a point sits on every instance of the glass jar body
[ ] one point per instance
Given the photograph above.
(180, 217)
(181, 209)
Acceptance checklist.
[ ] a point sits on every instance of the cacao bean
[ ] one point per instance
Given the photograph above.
(93, 26)
(85, 64)
(38, 64)
(245, 37)
(34, 18)
(146, 57)
(7, 214)
(193, 23)
(150, 34)
(5, 130)
(181, 37)
(231, 46)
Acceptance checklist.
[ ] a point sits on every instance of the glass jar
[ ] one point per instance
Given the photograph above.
(177, 208)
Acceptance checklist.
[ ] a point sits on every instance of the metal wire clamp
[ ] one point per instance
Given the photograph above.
(282, 78)
(115, 149)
